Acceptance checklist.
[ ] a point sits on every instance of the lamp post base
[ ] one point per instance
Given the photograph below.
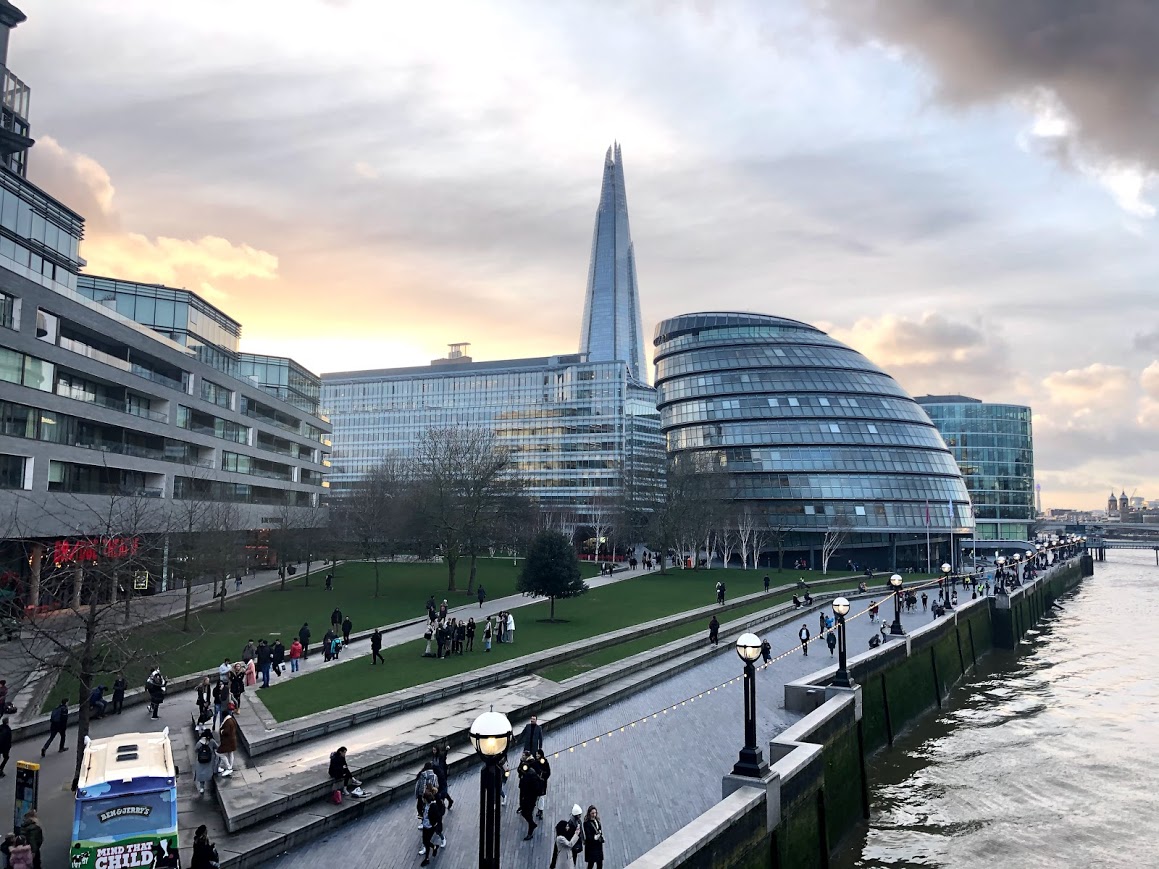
(896, 629)
(751, 763)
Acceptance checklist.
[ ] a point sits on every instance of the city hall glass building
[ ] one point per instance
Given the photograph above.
(811, 435)
(994, 447)
(580, 433)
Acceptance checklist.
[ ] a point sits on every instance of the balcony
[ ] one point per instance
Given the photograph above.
(82, 349)
(14, 97)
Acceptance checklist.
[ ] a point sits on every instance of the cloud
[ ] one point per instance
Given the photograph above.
(1090, 68)
(86, 186)
(1085, 389)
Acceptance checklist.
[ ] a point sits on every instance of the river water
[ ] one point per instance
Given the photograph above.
(1044, 757)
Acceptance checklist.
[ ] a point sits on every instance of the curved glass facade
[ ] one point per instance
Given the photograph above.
(811, 436)
(994, 447)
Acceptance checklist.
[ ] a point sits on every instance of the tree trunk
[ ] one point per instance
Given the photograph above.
(188, 602)
(452, 563)
(551, 618)
(221, 605)
(780, 559)
(309, 561)
(85, 680)
(282, 573)
(474, 570)
(376, 576)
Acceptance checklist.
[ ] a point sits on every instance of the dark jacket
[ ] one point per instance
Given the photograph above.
(278, 652)
(265, 655)
(304, 635)
(530, 787)
(204, 855)
(435, 812)
(593, 841)
(347, 625)
(532, 737)
(376, 640)
(5, 739)
(59, 719)
(338, 767)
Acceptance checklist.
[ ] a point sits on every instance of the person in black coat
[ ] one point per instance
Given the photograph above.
(376, 647)
(544, 769)
(532, 736)
(433, 813)
(530, 786)
(439, 763)
(5, 744)
(278, 656)
(304, 639)
(593, 839)
(347, 627)
(204, 854)
(265, 660)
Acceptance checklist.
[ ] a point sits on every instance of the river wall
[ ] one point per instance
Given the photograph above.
(816, 791)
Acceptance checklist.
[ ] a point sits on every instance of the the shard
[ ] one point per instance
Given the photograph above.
(612, 328)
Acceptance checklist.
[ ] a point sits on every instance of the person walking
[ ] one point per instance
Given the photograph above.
(719, 592)
(766, 650)
(296, 652)
(220, 700)
(529, 785)
(33, 834)
(544, 770)
(57, 724)
(487, 631)
(925, 601)
(265, 660)
(5, 744)
(205, 760)
(432, 822)
(329, 582)
(482, 596)
(304, 639)
(510, 628)
(766, 583)
(223, 671)
(251, 673)
(347, 627)
(376, 648)
(803, 635)
(155, 687)
(831, 640)
(119, 686)
(714, 631)
(439, 762)
(821, 627)
(248, 652)
(427, 779)
(237, 683)
(335, 618)
(20, 854)
(471, 634)
(532, 736)
(227, 741)
(278, 656)
(593, 839)
(204, 854)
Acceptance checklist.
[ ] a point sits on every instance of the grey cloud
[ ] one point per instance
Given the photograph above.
(1097, 57)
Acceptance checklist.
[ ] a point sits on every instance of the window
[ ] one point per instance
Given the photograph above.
(810, 510)
(47, 326)
(11, 365)
(12, 471)
(216, 394)
(860, 511)
(8, 311)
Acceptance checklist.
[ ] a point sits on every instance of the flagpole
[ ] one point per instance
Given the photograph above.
(927, 537)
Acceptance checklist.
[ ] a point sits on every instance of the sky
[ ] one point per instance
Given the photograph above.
(964, 192)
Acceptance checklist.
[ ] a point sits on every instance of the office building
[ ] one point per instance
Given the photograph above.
(582, 427)
(810, 436)
(994, 447)
(581, 433)
(112, 390)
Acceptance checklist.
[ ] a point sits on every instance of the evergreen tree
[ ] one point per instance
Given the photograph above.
(551, 569)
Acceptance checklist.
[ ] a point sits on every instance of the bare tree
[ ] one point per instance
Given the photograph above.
(835, 536)
(744, 534)
(779, 534)
(461, 479)
(370, 513)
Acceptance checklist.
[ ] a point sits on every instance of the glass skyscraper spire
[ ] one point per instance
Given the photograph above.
(612, 330)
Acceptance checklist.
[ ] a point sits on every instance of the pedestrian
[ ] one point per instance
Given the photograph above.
(328, 644)
(500, 626)
(439, 762)
(249, 652)
(329, 582)
(220, 699)
(155, 687)
(304, 639)
(204, 695)
(296, 651)
(821, 616)
(432, 822)
(227, 741)
(97, 702)
(529, 785)
(510, 628)
(57, 724)
(5, 744)
(482, 596)
(471, 634)
(443, 610)
(884, 630)
(544, 770)
(719, 592)
(593, 839)
(487, 631)
(34, 835)
(264, 660)
(803, 634)
(376, 648)
(224, 670)
(766, 650)
(119, 686)
(440, 638)
(874, 609)
(925, 601)
(335, 618)
(567, 836)
(347, 626)
(460, 636)
(576, 822)
(766, 583)
(532, 736)
(278, 656)
(428, 635)
(237, 683)
(335, 647)
(426, 779)
(714, 631)
(205, 760)
(20, 853)
(251, 673)
(831, 641)
(204, 854)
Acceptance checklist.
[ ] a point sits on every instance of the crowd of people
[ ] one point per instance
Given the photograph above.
(448, 635)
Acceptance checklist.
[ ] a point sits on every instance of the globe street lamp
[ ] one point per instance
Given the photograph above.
(946, 571)
(841, 609)
(1016, 560)
(490, 734)
(895, 582)
(751, 762)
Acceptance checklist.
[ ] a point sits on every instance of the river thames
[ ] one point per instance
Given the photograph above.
(1046, 757)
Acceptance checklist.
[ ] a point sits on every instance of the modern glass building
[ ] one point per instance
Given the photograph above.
(811, 436)
(994, 447)
(581, 432)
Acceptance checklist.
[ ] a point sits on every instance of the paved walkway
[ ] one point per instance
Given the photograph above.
(648, 782)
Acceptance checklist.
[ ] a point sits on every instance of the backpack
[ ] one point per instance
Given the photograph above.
(204, 752)
(59, 715)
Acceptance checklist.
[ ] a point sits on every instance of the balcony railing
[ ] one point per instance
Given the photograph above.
(16, 94)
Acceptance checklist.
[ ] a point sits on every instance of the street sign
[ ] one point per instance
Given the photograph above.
(141, 580)
(27, 790)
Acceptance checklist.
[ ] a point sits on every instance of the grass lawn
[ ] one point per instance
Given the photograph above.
(600, 610)
(272, 613)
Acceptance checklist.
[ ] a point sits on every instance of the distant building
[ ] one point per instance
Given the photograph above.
(811, 436)
(1112, 504)
(994, 447)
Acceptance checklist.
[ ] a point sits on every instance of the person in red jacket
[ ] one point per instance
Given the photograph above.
(295, 655)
